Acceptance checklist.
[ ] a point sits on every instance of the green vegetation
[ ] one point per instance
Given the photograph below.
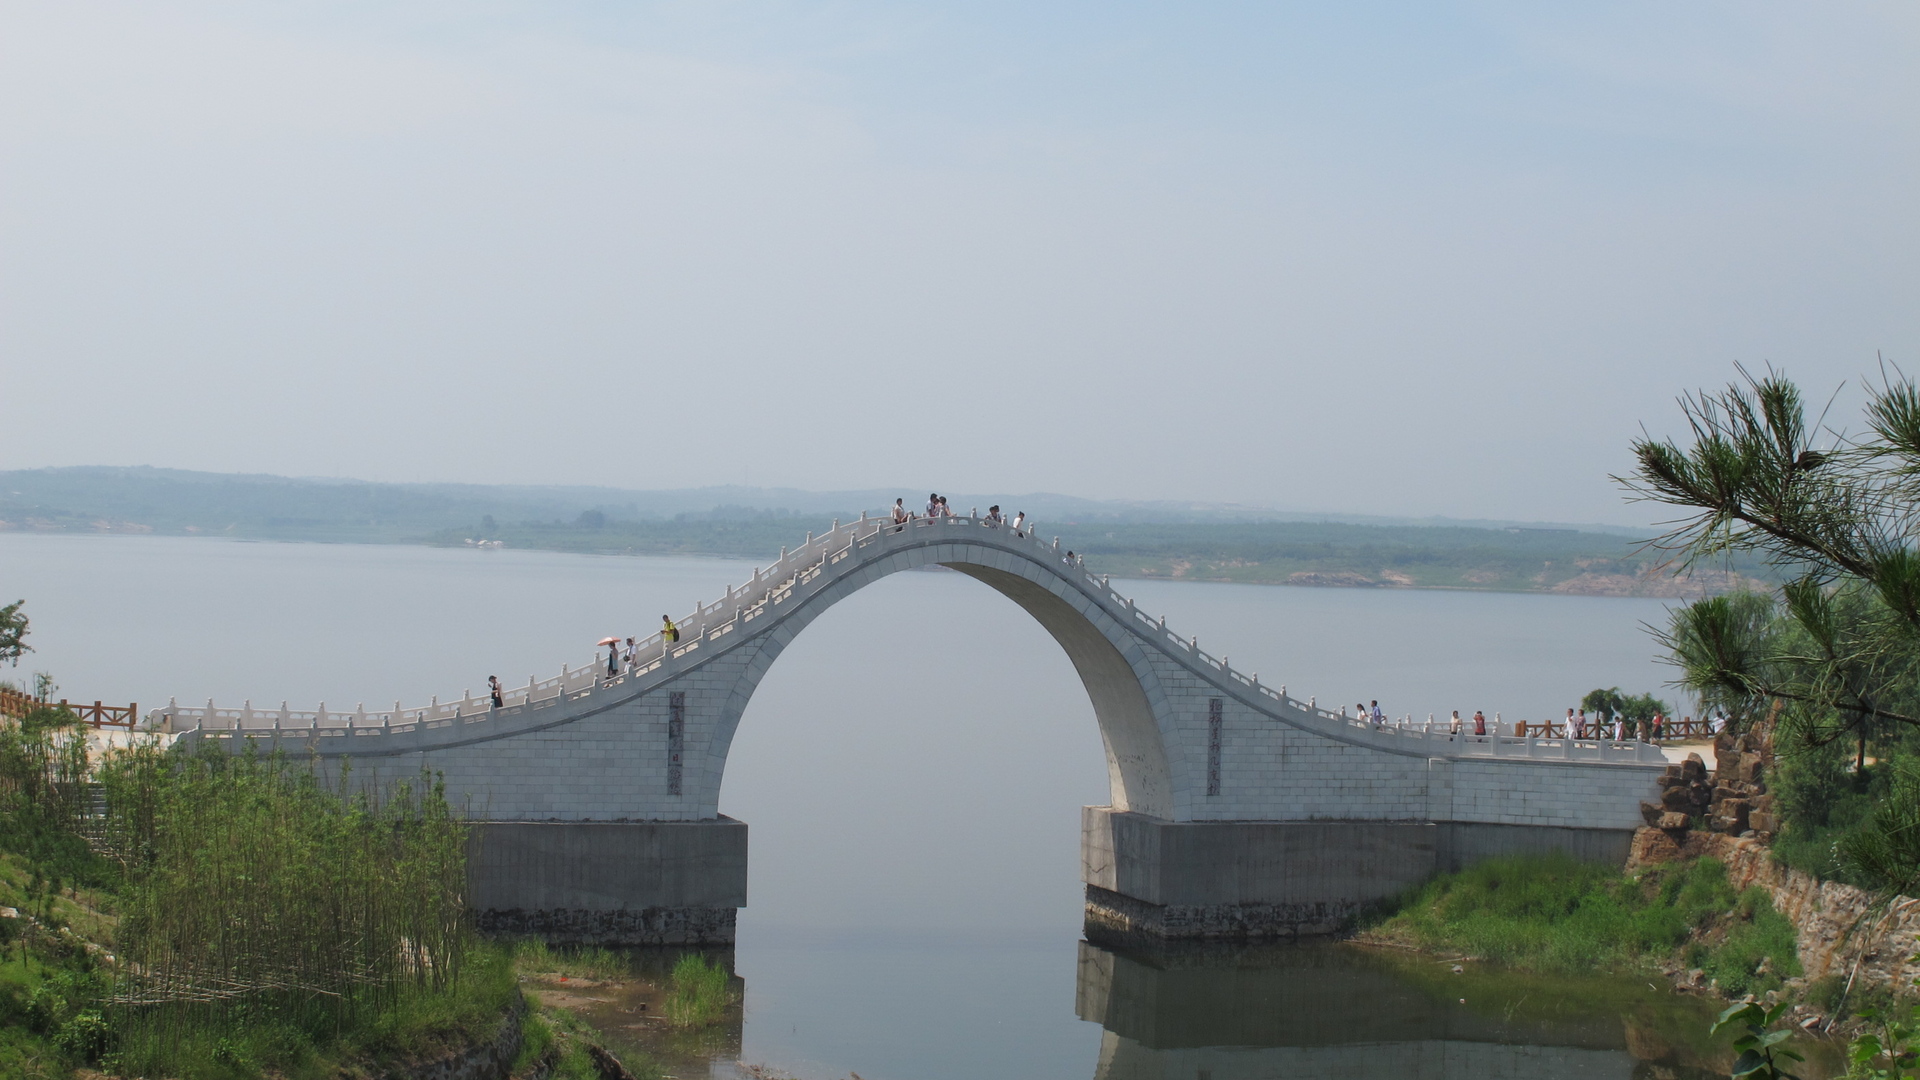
(1609, 703)
(535, 957)
(572, 1047)
(1828, 667)
(1833, 812)
(1758, 1042)
(1553, 914)
(268, 918)
(214, 917)
(13, 633)
(1832, 661)
(558, 1035)
(699, 992)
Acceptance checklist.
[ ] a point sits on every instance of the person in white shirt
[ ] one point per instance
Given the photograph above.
(933, 506)
(900, 514)
(1019, 519)
(1456, 723)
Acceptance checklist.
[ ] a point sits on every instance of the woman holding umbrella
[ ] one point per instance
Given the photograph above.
(612, 645)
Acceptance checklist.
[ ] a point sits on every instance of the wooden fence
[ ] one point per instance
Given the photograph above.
(16, 705)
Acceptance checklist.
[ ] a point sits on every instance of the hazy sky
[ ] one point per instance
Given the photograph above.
(1406, 259)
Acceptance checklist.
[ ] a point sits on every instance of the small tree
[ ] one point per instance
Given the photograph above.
(13, 632)
(1609, 703)
(1605, 704)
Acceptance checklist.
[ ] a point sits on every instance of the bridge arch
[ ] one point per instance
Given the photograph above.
(1123, 689)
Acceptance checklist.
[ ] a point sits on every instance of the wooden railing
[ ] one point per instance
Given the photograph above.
(101, 716)
(1684, 728)
(16, 705)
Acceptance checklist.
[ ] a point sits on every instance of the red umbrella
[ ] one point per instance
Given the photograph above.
(608, 641)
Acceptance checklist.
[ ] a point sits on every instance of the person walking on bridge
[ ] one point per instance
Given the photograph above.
(1456, 723)
(669, 633)
(900, 514)
(632, 655)
(1019, 519)
(1479, 722)
(493, 690)
(1579, 730)
(1376, 717)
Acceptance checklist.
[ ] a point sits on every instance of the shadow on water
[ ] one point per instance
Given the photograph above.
(1329, 1010)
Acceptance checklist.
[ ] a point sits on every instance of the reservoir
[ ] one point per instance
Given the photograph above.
(912, 770)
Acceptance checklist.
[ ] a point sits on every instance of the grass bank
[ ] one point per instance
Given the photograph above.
(1553, 914)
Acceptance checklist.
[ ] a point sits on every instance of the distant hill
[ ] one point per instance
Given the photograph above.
(1192, 541)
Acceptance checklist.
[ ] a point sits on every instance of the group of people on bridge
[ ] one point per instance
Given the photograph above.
(937, 508)
(1655, 728)
(1601, 728)
(630, 652)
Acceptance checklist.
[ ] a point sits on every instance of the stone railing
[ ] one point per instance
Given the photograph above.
(795, 576)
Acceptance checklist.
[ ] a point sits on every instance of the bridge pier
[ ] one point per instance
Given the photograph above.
(609, 882)
(1149, 878)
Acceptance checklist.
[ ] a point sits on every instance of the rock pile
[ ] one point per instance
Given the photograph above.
(1730, 799)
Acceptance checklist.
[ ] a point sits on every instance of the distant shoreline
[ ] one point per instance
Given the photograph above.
(1629, 581)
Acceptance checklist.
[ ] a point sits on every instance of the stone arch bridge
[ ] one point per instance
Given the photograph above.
(1236, 809)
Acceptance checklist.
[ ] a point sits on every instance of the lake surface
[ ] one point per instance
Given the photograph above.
(912, 768)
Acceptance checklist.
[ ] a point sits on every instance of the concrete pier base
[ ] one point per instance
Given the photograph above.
(609, 882)
(1250, 880)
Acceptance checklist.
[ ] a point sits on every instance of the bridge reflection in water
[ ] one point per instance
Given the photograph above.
(1327, 1011)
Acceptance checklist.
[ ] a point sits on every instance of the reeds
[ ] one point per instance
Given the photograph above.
(698, 992)
(254, 895)
(44, 792)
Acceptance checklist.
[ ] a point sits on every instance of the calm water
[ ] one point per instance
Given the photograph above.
(912, 770)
